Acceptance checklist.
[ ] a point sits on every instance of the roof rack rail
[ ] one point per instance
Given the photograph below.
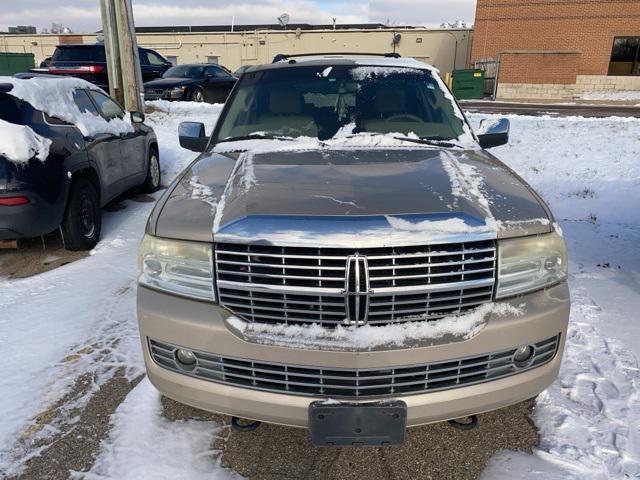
(284, 56)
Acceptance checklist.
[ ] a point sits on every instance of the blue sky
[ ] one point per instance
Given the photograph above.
(83, 15)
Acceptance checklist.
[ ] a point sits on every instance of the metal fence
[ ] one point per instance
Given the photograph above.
(490, 68)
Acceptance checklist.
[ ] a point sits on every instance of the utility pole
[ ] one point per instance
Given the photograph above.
(121, 48)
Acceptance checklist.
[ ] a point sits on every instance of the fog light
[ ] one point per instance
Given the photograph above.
(523, 355)
(185, 357)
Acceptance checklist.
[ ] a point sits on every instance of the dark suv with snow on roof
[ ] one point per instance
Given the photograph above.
(345, 255)
(66, 149)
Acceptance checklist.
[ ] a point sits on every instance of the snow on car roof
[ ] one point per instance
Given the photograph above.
(54, 96)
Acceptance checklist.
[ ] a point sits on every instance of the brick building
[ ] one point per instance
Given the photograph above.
(558, 48)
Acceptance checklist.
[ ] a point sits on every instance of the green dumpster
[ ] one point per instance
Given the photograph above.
(11, 63)
(468, 83)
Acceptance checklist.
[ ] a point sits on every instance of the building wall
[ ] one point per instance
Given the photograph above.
(526, 67)
(435, 46)
(577, 36)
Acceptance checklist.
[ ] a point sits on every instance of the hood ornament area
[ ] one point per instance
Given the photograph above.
(356, 291)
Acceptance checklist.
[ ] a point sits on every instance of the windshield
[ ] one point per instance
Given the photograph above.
(79, 53)
(319, 101)
(185, 71)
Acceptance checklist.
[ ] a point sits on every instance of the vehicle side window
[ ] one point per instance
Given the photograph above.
(144, 60)
(84, 103)
(154, 58)
(10, 109)
(108, 107)
(217, 72)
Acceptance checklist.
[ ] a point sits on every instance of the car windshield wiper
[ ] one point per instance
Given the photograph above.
(428, 141)
(423, 141)
(255, 136)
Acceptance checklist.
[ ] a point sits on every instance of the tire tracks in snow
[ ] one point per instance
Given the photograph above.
(92, 382)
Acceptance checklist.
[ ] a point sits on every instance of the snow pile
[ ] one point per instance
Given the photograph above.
(368, 337)
(19, 143)
(145, 445)
(54, 96)
(164, 117)
(622, 95)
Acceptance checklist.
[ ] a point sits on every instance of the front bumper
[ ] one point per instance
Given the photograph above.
(160, 94)
(201, 326)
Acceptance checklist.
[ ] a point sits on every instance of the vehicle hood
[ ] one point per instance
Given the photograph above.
(170, 82)
(351, 198)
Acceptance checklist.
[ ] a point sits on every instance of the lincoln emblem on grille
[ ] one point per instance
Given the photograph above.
(356, 290)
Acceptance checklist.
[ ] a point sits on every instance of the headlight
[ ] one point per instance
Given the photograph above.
(530, 263)
(177, 92)
(183, 268)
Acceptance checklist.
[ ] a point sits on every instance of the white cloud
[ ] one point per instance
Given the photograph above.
(84, 15)
(422, 12)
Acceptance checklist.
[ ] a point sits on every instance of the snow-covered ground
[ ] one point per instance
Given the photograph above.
(81, 318)
(587, 170)
(165, 118)
(622, 95)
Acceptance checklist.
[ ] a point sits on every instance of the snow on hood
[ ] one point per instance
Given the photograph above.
(54, 96)
(367, 337)
(19, 143)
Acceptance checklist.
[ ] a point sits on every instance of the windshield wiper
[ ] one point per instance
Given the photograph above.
(427, 141)
(255, 136)
(423, 141)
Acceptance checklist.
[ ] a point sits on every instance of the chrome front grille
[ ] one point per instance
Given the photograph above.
(153, 93)
(353, 383)
(341, 286)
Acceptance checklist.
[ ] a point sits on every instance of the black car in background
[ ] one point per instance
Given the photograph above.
(195, 82)
(89, 63)
(67, 189)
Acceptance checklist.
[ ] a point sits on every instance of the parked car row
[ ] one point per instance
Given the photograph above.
(192, 82)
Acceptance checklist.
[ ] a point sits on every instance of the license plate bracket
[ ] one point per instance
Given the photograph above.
(357, 424)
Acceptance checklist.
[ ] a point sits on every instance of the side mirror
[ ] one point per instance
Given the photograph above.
(192, 137)
(137, 117)
(493, 133)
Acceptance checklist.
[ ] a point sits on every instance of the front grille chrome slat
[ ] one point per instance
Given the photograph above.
(354, 383)
(330, 286)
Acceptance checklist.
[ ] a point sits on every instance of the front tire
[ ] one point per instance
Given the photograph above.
(82, 220)
(154, 176)
(197, 95)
